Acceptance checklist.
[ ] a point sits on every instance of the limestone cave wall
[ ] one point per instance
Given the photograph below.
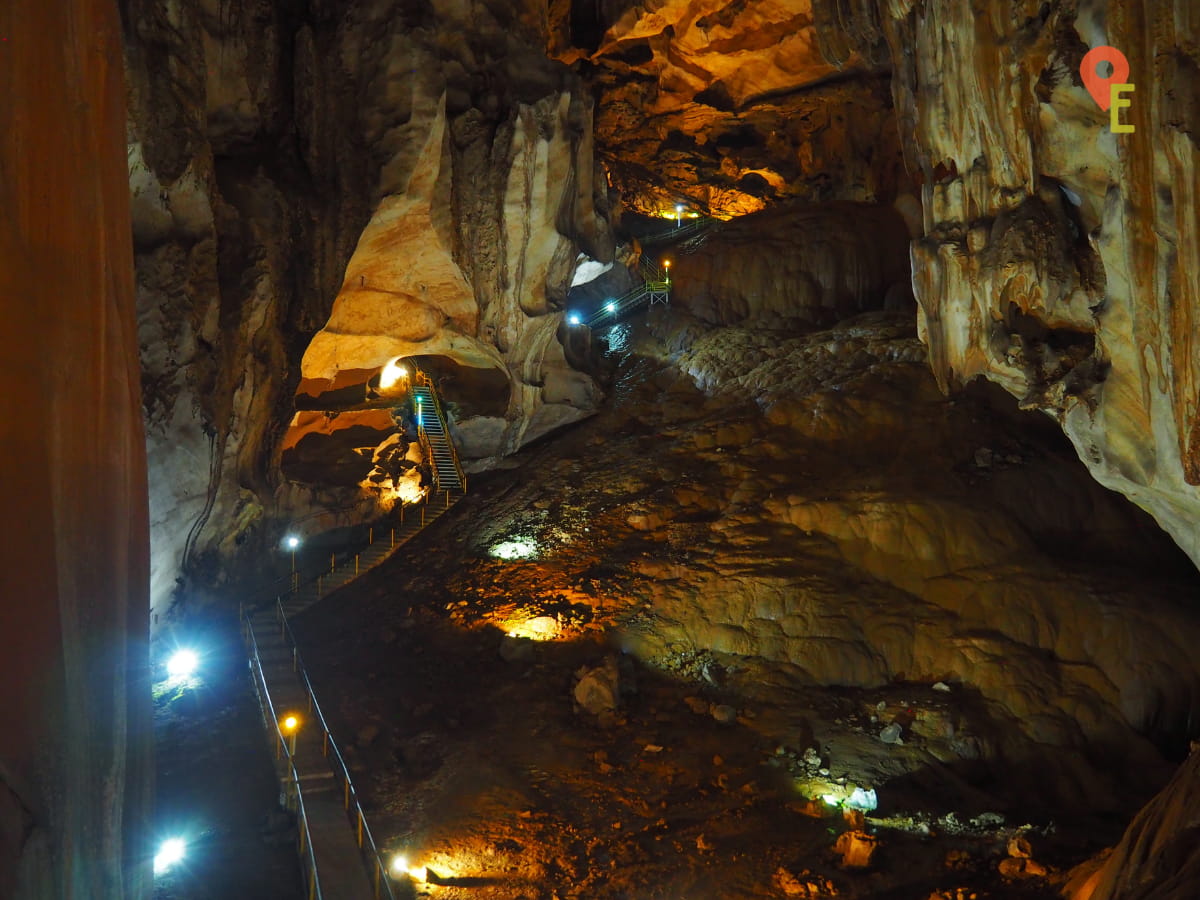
(75, 740)
(1058, 258)
(341, 183)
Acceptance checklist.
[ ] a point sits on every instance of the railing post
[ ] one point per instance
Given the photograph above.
(394, 537)
(371, 536)
(355, 563)
(360, 825)
(422, 515)
(347, 801)
(332, 561)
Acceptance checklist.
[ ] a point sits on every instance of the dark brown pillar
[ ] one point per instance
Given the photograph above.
(75, 728)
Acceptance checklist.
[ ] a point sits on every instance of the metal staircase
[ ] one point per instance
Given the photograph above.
(656, 280)
(338, 862)
(435, 439)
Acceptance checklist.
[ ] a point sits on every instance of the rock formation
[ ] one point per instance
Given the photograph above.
(1057, 256)
(74, 713)
(345, 186)
(800, 264)
(730, 106)
(1158, 858)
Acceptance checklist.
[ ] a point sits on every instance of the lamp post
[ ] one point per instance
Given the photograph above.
(290, 725)
(678, 214)
(667, 267)
(292, 542)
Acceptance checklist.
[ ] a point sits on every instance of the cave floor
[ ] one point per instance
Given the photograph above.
(475, 760)
(484, 770)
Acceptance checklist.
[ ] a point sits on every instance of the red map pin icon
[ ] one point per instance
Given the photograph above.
(1098, 85)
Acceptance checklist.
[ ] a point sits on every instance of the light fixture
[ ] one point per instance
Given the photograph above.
(290, 724)
(392, 373)
(293, 542)
(170, 852)
(610, 306)
(401, 868)
(182, 664)
(522, 548)
(573, 319)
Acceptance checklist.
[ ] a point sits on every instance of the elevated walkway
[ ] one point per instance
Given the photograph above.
(656, 280)
(339, 857)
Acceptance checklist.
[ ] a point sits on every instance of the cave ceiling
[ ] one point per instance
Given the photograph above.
(730, 107)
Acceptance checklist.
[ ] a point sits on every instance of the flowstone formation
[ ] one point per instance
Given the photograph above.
(1058, 258)
(344, 185)
(782, 619)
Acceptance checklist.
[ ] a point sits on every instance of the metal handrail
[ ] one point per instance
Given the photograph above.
(630, 300)
(425, 381)
(366, 840)
(267, 705)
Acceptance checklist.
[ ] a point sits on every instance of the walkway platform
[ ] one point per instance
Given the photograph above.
(341, 873)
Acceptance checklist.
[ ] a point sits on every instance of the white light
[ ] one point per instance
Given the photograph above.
(392, 373)
(170, 852)
(293, 542)
(610, 306)
(400, 864)
(519, 549)
(831, 799)
(678, 207)
(573, 319)
(182, 664)
(863, 800)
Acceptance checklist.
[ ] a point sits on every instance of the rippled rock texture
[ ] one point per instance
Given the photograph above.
(1059, 258)
(341, 183)
(811, 507)
(730, 107)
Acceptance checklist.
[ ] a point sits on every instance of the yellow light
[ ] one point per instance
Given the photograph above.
(667, 263)
(290, 723)
(400, 864)
(540, 628)
(417, 873)
(392, 373)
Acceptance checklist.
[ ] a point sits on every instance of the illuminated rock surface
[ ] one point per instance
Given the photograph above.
(389, 180)
(753, 522)
(75, 743)
(732, 106)
(1158, 857)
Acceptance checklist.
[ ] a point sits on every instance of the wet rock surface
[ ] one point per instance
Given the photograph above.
(756, 530)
